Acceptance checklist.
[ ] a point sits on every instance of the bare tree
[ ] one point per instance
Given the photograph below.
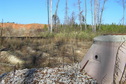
(49, 11)
(55, 20)
(123, 3)
(92, 22)
(55, 16)
(124, 7)
(80, 14)
(72, 19)
(2, 29)
(66, 13)
(97, 13)
(96, 5)
(85, 19)
(50, 15)
(1, 33)
(94, 14)
(101, 13)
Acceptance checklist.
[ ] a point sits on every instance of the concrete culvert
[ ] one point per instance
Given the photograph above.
(106, 59)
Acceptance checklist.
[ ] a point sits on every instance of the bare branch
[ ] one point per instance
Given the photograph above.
(101, 13)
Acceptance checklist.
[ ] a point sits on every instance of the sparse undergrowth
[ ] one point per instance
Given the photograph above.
(63, 46)
(36, 53)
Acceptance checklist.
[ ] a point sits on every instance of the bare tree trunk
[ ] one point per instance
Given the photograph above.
(57, 5)
(48, 14)
(1, 33)
(92, 22)
(85, 19)
(66, 13)
(98, 12)
(2, 29)
(101, 13)
(80, 14)
(123, 3)
(51, 16)
(95, 15)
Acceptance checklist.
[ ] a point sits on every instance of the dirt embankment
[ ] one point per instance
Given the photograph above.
(15, 30)
(26, 26)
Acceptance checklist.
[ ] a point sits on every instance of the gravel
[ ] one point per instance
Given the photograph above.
(70, 74)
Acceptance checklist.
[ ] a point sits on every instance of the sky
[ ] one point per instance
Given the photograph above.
(35, 11)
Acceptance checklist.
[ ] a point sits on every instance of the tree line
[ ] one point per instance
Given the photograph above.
(97, 8)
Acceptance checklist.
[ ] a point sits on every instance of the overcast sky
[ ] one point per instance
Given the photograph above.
(35, 11)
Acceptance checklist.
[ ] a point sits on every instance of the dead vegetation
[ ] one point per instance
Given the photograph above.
(36, 53)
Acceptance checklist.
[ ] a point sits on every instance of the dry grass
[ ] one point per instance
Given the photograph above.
(49, 52)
